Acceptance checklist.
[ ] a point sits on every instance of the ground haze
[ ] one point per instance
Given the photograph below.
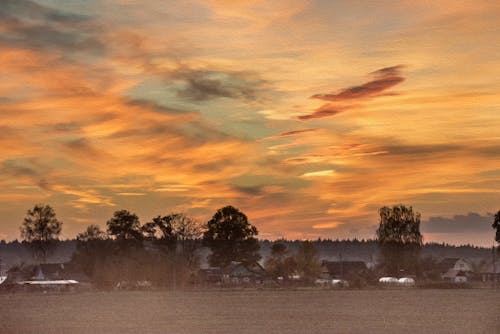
(312, 311)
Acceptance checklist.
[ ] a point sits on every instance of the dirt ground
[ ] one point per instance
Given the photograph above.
(314, 311)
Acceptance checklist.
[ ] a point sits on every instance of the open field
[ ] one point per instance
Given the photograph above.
(315, 311)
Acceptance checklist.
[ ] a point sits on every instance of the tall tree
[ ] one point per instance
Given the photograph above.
(308, 261)
(124, 226)
(231, 238)
(399, 239)
(92, 232)
(496, 226)
(178, 232)
(280, 263)
(41, 229)
(92, 249)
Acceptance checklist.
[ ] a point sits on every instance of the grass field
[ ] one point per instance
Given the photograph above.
(315, 311)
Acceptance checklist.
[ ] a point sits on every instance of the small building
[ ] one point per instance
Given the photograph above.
(212, 275)
(490, 272)
(236, 273)
(456, 276)
(243, 273)
(457, 264)
(47, 275)
(342, 269)
(456, 270)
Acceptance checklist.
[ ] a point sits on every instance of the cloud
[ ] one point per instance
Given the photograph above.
(471, 222)
(296, 132)
(385, 78)
(249, 190)
(30, 25)
(34, 11)
(203, 85)
(326, 110)
(320, 173)
(20, 167)
(327, 226)
(424, 149)
(388, 71)
(152, 105)
(290, 134)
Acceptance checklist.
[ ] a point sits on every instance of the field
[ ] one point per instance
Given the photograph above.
(314, 311)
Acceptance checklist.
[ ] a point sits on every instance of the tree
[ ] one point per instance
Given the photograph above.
(399, 238)
(231, 237)
(124, 226)
(280, 263)
(179, 233)
(93, 232)
(92, 249)
(41, 229)
(496, 226)
(308, 261)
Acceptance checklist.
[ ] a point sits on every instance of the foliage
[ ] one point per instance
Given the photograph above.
(308, 263)
(41, 229)
(93, 232)
(399, 239)
(496, 226)
(161, 252)
(280, 263)
(231, 238)
(177, 235)
(124, 226)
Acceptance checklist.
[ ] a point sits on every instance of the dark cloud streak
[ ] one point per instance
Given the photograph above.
(472, 222)
(204, 85)
(29, 25)
(326, 110)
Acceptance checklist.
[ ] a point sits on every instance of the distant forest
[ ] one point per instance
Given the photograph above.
(15, 252)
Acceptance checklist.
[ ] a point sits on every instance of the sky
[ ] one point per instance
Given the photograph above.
(308, 116)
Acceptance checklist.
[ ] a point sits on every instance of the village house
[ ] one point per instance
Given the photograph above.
(457, 270)
(236, 273)
(45, 275)
(342, 269)
(490, 272)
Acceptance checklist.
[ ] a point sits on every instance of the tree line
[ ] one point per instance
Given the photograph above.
(166, 250)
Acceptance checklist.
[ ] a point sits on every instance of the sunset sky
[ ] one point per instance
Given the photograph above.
(306, 115)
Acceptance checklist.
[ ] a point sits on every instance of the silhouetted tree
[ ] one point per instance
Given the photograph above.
(92, 250)
(41, 229)
(399, 238)
(280, 263)
(178, 236)
(124, 226)
(496, 226)
(92, 232)
(308, 261)
(231, 238)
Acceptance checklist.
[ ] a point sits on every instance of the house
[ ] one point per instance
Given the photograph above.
(457, 270)
(212, 275)
(342, 269)
(236, 273)
(47, 275)
(239, 272)
(456, 276)
(458, 264)
(490, 272)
